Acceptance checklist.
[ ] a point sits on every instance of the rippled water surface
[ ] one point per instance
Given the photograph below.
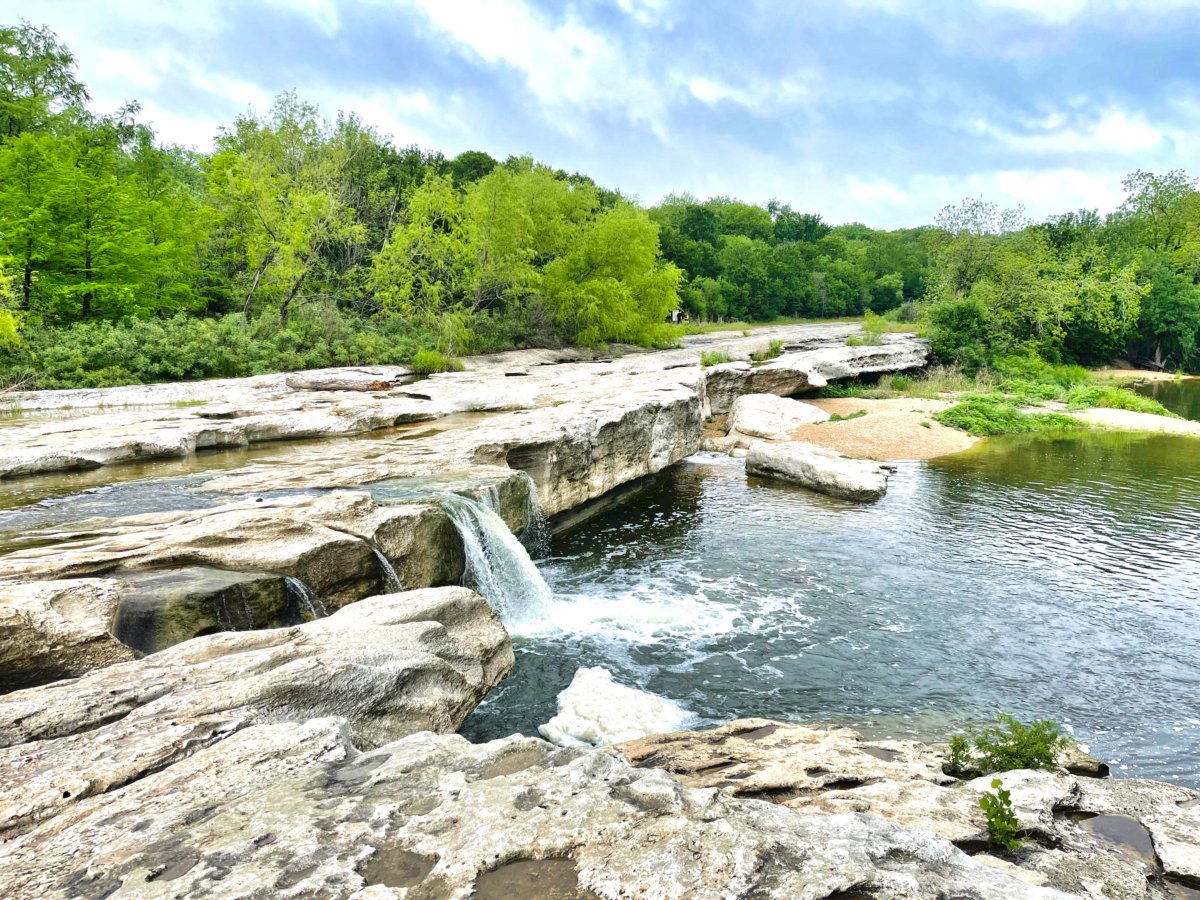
(1055, 577)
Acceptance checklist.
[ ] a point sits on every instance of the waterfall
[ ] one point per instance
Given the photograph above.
(497, 564)
(536, 535)
(390, 578)
(307, 600)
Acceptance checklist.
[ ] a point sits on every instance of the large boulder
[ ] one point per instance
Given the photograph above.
(1102, 838)
(387, 666)
(819, 469)
(770, 418)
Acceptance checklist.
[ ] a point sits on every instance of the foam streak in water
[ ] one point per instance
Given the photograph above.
(497, 565)
(305, 597)
(390, 578)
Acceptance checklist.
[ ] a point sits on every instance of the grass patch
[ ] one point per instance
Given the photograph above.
(772, 351)
(430, 362)
(857, 414)
(1106, 397)
(714, 358)
(986, 415)
(873, 329)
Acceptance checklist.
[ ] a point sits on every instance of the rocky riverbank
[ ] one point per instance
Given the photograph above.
(253, 693)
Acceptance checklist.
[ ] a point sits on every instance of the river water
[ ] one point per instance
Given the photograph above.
(1051, 577)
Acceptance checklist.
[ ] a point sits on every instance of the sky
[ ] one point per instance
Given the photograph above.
(878, 111)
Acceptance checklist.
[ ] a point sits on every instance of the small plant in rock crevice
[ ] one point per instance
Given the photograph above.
(771, 351)
(714, 358)
(1002, 826)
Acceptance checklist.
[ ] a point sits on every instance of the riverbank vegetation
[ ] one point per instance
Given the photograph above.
(301, 241)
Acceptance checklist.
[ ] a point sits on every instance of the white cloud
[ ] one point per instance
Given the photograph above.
(1062, 12)
(565, 64)
(759, 95)
(1111, 131)
(877, 192)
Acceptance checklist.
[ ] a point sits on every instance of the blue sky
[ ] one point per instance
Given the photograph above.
(880, 111)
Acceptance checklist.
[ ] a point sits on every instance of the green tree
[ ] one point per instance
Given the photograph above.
(610, 284)
(37, 80)
(279, 184)
(30, 168)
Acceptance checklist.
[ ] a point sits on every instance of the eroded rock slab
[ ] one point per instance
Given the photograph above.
(1143, 835)
(297, 811)
(818, 469)
(387, 666)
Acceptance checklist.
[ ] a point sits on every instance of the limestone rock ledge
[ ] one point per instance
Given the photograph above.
(1143, 840)
(297, 810)
(388, 666)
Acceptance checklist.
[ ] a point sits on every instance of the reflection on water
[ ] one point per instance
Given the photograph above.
(1181, 397)
(1051, 577)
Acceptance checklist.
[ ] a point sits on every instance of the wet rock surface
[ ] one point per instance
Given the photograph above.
(1086, 836)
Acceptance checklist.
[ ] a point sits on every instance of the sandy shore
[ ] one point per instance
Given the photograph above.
(900, 428)
(1128, 420)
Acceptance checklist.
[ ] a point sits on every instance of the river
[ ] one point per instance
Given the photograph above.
(1053, 577)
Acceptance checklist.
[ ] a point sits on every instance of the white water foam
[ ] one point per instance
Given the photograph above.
(595, 710)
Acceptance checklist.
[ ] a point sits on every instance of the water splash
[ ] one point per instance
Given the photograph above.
(390, 578)
(497, 564)
(305, 597)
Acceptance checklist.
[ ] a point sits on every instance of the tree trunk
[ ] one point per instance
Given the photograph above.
(87, 277)
(27, 281)
(262, 268)
(287, 301)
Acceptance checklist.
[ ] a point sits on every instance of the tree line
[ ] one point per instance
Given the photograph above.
(300, 241)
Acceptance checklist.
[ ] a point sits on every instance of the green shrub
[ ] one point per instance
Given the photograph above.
(958, 758)
(771, 351)
(900, 383)
(1108, 397)
(1002, 825)
(985, 415)
(874, 327)
(1037, 370)
(845, 389)
(1011, 745)
(1007, 745)
(959, 332)
(714, 358)
(430, 362)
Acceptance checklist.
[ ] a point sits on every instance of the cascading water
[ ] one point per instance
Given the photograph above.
(305, 598)
(497, 564)
(391, 579)
(536, 536)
